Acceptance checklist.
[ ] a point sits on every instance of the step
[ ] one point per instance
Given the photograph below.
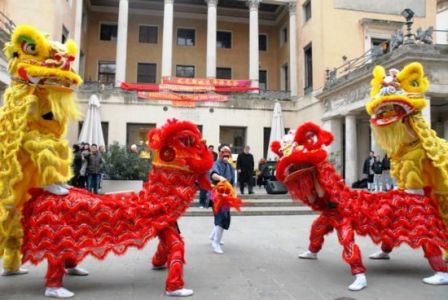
(260, 196)
(254, 211)
(262, 203)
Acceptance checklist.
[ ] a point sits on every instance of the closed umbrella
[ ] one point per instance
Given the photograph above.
(277, 129)
(92, 131)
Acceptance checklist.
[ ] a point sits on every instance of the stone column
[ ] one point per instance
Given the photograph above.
(334, 126)
(427, 111)
(122, 42)
(351, 150)
(253, 42)
(167, 45)
(78, 30)
(292, 48)
(211, 37)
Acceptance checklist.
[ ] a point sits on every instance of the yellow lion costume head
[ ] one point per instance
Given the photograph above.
(33, 121)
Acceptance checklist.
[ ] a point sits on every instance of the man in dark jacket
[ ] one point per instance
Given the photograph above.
(245, 167)
(367, 169)
(94, 165)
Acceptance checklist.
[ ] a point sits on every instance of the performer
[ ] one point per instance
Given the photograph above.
(222, 170)
(419, 159)
(33, 121)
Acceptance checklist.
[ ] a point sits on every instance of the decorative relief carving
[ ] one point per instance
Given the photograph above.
(253, 4)
(292, 5)
(347, 96)
(211, 2)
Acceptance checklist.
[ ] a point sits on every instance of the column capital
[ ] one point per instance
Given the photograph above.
(169, 1)
(292, 5)
(211, 2)
(253, 4)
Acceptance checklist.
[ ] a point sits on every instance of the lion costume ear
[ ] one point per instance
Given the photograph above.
(412, 78)
(154, 138)
(378, 75)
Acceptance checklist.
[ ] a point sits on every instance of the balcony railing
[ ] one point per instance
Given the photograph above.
(382, 51)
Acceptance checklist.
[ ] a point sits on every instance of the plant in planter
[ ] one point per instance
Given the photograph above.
(121, 164)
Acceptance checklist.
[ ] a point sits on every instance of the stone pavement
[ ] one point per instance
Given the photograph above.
(260, 262)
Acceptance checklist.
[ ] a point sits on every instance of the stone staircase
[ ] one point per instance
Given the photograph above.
(258, 204)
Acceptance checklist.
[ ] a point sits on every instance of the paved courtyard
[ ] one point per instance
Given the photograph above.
(260, 262)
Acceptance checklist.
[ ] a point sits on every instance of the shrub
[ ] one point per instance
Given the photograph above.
(124, 165)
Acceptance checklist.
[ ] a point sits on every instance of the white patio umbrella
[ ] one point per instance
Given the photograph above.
(277, 130)
(91, 131)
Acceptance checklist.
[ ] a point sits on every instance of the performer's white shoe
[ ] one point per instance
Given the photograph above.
(359, 283)
(56, 189)
(308, 255)
(379, 255)
(77, 271)
(60, 293)
(20, 271)
(440, 278)
(217, 248)
(180, 293)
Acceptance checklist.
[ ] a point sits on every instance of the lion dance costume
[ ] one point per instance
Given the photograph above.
(419, 159)
(390, 218)
(33, 121)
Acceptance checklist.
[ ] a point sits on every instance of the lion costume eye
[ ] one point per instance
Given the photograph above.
(29, 48)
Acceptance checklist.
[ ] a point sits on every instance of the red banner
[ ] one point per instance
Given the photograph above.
(205, 82)
(150, 87)
(182, 97)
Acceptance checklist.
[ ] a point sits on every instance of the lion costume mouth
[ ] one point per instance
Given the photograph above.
(389, 112)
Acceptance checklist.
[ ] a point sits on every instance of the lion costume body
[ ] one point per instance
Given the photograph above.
(33, 122)
(419, 159)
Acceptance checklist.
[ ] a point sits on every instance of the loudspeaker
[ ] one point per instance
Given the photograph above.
(275, 187)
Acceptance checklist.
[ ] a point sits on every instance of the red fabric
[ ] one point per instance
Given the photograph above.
(388, 218)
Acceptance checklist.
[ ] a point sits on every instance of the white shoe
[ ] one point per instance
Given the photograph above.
(180, 293)
(77, 271)
(308, 255)
(56, 189)
(217, 248)
(439, 278)
(59, 292)
(20, 271)
(359, 283)
(379, 255)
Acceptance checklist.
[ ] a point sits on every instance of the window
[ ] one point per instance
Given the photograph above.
(235, 137)
(308, 53)
(306, 11)
(185, 71)
(64, 34)
(148, 34)
(186, 37)
(146, 73)
(381, 45)
(284, 35)
(106, 72)
(285, 77)
(138, 133)
(263, 79)
(224, 73)
(262, 42)
(224, 39)
(108, 32)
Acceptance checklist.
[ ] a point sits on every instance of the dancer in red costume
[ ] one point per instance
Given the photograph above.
(389, 218)
(63, 229)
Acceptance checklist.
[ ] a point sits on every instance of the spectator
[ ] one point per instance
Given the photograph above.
(203, 194)
(387, 179)
(211, 148)
(77, 164)
(222, 170)
(245, 168)
(260, 172)
(85, 151)
(94, 164)
(377, 174)
(367, 169)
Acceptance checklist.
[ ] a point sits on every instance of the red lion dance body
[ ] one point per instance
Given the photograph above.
(65, 229)
(390, 218)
